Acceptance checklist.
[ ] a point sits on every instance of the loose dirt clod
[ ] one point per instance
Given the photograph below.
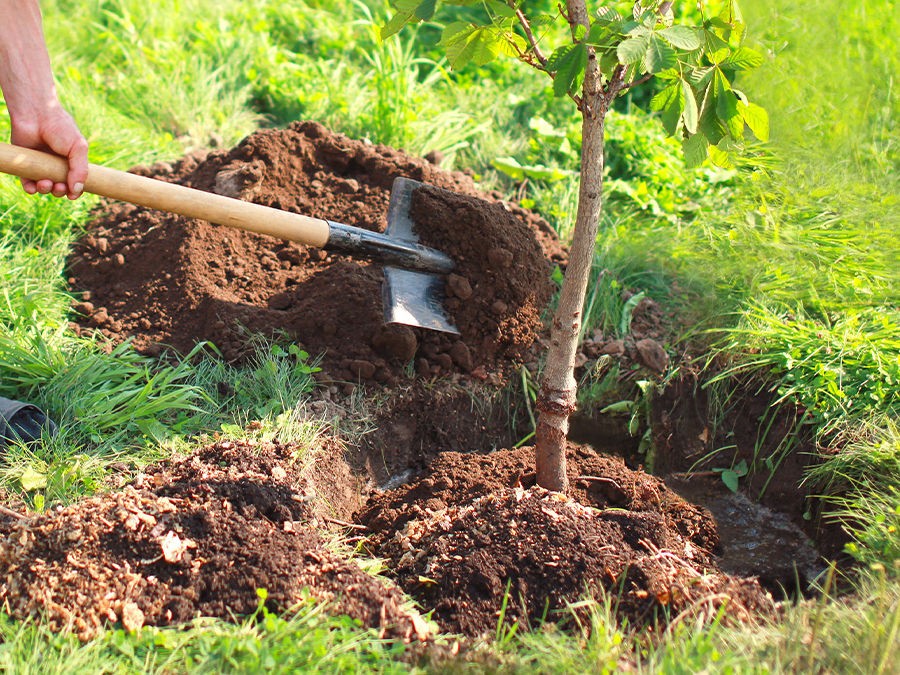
(166, 280)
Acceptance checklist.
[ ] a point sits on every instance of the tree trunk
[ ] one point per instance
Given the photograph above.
(557, 396)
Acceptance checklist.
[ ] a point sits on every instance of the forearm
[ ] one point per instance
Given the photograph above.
(25, 75)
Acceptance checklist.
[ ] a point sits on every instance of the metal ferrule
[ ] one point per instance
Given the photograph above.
(389, 250)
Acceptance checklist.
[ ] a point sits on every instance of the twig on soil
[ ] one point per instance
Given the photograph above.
(344, 523)
(12, 514)
(599, 479)
(687, 475)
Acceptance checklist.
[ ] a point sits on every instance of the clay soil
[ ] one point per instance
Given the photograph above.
(434, 488)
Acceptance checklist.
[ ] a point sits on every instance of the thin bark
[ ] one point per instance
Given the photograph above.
(557, 396)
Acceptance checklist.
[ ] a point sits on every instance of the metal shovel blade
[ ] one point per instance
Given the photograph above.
(415, 299)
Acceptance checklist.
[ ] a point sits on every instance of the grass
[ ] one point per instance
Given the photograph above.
(785, 269)
(307, 640)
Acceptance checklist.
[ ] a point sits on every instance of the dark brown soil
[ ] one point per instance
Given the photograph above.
(457, 516)
(470, 530)
(163, 279)
(188, 538)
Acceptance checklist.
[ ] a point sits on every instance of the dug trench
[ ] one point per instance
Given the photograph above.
(421, 468)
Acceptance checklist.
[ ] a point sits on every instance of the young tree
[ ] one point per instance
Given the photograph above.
(606, 50)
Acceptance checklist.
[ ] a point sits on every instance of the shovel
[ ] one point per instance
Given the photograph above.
(412, 293)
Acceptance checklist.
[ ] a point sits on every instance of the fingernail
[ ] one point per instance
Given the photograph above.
(78, 188)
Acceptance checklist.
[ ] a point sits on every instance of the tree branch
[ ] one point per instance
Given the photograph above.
(615, 85)
(634, 83)
(529, 35)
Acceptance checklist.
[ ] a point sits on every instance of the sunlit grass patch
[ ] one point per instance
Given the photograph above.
(841, 369)
(305, 640)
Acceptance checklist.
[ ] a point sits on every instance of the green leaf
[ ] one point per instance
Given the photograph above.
(406, 9)
(607, 16)
(498, 8)
(628, 313)
(727, 107)
(716, 48)
(465, 42)
(691, 114)
(695, 150)
(730, 478)
(719, 155)
(512, 168)
(699, 77)
(600, 35)
(632, 50)
(557, 276)
(153, 429)
(756, 118)
(32, 479)
(544, 128)
(618, 407)
(659, 55)
(743, 58)
(682, 37)
(568, 64)
(670, 103)
(425, 10)
(709, 125)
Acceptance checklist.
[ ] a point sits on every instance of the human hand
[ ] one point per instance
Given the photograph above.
(52, 129)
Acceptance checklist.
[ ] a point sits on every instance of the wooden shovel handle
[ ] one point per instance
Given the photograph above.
(156, 194)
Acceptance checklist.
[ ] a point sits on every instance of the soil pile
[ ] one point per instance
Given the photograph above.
(470, 530)
(203, 534)
(197, 536)
(167, 280)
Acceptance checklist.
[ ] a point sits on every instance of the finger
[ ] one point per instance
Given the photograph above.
(78, 167)
(59, 189)
(29, 186)
(44, 186)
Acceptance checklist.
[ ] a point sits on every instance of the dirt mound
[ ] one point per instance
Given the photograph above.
(166, 280)
(596, 480)
(197, 536)
(200, 536)
(467, 530)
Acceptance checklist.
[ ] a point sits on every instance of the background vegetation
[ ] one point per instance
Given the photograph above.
(784, 269)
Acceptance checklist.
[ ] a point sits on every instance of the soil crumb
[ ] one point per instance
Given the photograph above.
(196, 536)
(168, 281)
